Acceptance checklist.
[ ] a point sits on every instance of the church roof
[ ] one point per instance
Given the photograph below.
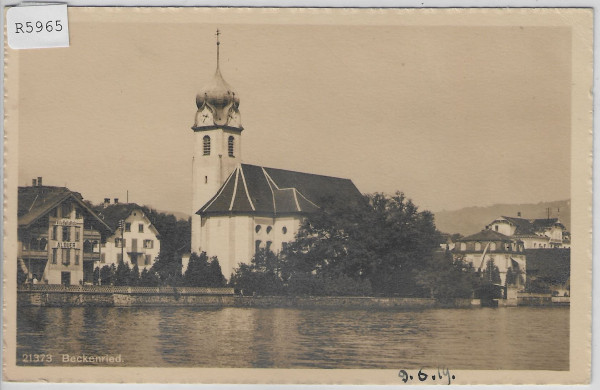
(261, 190)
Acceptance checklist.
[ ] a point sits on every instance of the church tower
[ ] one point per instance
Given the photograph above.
(217, 144)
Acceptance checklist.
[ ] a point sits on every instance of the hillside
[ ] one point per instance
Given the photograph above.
(470, 220)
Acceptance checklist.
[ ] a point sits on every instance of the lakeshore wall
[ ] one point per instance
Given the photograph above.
(74, 296)
(121, 296)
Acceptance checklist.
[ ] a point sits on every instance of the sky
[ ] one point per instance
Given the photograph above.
(453, 116)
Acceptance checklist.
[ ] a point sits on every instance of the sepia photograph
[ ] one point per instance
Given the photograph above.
(350, 196)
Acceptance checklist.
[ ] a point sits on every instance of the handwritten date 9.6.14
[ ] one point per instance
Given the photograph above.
(442, 375)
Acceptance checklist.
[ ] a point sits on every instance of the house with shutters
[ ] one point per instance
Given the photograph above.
(133, 238)
(60, 237)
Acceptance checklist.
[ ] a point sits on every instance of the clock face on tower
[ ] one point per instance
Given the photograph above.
(204, 117)
(233, 119)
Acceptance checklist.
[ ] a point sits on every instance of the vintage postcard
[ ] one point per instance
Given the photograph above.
(314, 196)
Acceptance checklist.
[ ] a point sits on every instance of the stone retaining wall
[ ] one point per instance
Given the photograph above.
(128, 297)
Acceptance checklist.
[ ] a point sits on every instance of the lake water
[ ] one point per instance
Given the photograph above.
(519, 338)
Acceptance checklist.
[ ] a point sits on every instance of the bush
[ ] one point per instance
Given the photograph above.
(149, 278)
(202, 273)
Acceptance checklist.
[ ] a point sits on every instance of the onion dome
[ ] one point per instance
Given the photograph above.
(218, 93)
(217, 103)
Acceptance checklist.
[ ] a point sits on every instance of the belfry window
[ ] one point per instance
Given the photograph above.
(230, 146)
(206, 145)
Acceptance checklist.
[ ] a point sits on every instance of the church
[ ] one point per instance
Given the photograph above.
(239, 208)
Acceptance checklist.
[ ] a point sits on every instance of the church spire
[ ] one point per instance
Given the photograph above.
(218, 44)
(217, 102)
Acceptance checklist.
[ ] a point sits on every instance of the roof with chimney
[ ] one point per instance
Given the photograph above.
(111, 214)
(532, 226)
(252, 189)
(37, 201)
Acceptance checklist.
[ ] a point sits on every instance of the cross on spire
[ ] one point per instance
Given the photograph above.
(218, 44)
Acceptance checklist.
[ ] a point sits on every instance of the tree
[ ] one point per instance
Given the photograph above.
(134, 276)
(196, 274)
(446, 277)
(382, 239)
(149, 278)
(168, 269)
(122, 274)
(175, 234)
(262, 276)
(96, 276)
(215, 274)
(492, 272)
(106, 274)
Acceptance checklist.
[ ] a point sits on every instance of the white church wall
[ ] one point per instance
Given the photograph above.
(242, 240)
(233, 238)
(285, 229)
(211, 171)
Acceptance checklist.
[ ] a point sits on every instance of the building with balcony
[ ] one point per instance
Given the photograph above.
(133, 237)
(59, 236)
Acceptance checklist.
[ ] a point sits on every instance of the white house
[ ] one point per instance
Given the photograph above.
(506, 253)
(535, 233)
(238, 208)
(137, 242)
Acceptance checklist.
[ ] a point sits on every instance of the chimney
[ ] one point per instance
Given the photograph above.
(518, 214)
(106, 202)
(116, 200)
(39, 181)
(33, 183)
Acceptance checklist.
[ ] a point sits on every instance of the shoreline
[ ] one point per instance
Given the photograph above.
(124, 296)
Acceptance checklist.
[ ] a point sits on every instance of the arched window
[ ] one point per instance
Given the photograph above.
(88, 246)
(256, 245)
(269, 228)
(268, 246)
(206, 145)
(284, 230)
(230, 146)
(257, 228)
